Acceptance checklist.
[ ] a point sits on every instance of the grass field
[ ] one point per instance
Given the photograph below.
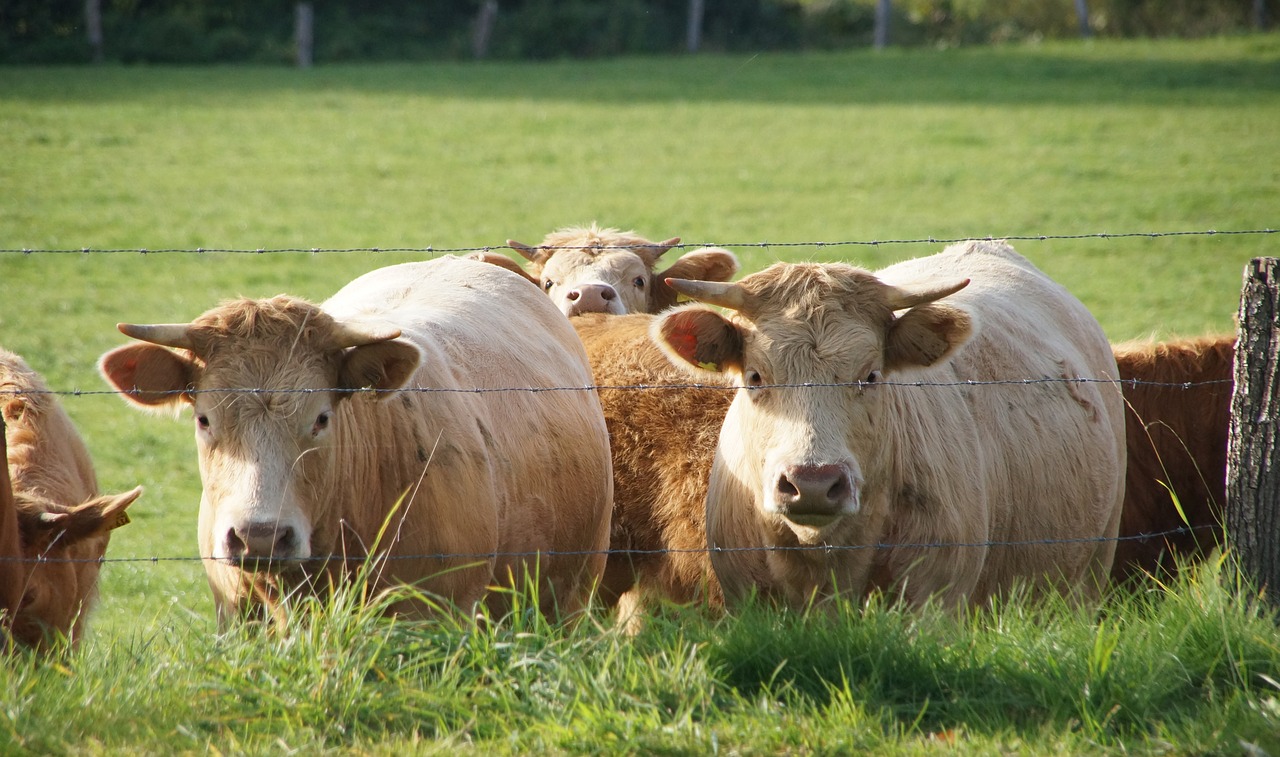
(793, 150)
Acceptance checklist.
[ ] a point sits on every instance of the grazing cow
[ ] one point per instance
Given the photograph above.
(852, 479)
(51, 497)
(1177, 441)
(663, 441)
(595, 270)
(309, 448)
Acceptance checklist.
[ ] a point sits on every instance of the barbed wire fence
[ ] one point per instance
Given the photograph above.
(835, 548)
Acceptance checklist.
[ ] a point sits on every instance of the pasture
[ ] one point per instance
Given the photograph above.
(793, 150)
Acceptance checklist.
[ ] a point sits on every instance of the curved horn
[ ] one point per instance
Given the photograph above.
(900, 298)
(353, 335)
(722, 293)
(164, 334)
(532, 254)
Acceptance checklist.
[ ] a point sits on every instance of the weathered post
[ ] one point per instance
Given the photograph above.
(482, 28)
(693, 27)
(304, 18)
(884, 9)
(93, 28)
(1253, 477)
(1082, 14)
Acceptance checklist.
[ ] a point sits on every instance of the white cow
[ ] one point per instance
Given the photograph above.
(829, 442)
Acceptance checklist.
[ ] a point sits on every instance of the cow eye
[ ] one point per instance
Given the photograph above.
(202, 421)
(754, 379)
(872, 377)
(546, 285)
(639, 282)
(322, 422)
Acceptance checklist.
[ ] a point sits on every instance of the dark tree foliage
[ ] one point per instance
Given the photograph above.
(214, 31)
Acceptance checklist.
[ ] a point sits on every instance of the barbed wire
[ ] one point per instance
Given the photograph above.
(431, 249)
(825, 548)
(1132, 383)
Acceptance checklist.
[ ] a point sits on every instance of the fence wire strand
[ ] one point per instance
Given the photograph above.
(825, 548)
(433, 250)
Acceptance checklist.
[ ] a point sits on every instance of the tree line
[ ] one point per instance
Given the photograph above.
(285, 31)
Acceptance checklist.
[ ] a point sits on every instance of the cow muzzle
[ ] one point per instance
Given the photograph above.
(264, 542)
(592, 298)
(814, 495)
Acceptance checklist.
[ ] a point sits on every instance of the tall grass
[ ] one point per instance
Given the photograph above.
(1193, 667)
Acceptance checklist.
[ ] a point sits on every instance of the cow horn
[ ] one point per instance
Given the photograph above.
(349, 335)
(532, 254)
(901, 299)
(723, 293)
(663, 246)
(164, 334)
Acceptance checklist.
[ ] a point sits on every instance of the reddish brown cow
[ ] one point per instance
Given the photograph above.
(1177, 442)
(63, 525)
(663, 441)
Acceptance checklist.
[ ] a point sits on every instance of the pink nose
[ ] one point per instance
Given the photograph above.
(591, 298)
(262, 541)
(814, 492)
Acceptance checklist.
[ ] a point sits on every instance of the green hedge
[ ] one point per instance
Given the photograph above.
(215, 31)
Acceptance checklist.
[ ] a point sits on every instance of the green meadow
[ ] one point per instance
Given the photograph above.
(852, 156)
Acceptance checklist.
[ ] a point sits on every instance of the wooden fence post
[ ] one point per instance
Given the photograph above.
(304, 19)
(93, 28)
(884, 9)
(693, 26)
(1253, 476)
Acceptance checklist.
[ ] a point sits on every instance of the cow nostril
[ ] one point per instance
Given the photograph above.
(786, 488)
(285, 542)
(573, 296)
(608, 294)
(840, 490)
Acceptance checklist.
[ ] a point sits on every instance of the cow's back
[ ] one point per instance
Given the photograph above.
(536, 461)
(1052, 439)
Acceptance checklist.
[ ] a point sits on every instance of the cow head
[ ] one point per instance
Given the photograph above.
(594, 270)
(61, 547)
(270, 384)
(807, 346)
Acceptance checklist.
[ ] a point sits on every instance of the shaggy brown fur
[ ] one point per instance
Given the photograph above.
(663, 442)
(1177, 440)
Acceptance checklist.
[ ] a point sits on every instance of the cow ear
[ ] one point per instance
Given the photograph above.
(502, 261)
(925, 335)
(42, 526)
(698, 340)
(148, 375)
(702, 264)
(382, 366)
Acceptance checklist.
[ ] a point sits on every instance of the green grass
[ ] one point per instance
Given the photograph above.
(1054, 139)
(1190, 670)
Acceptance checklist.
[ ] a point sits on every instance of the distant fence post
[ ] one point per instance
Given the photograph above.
(93, 28)
(1253, 475)
(482, 28)
(884, 9)
(304, 20)
(693, 26)
(1082, 13)
(1260, 15)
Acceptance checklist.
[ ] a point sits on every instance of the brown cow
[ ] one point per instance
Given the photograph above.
(836, 473)
(389, 407)
(595, 270)
(663, 440)
(1177, 441)
(63, 523)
